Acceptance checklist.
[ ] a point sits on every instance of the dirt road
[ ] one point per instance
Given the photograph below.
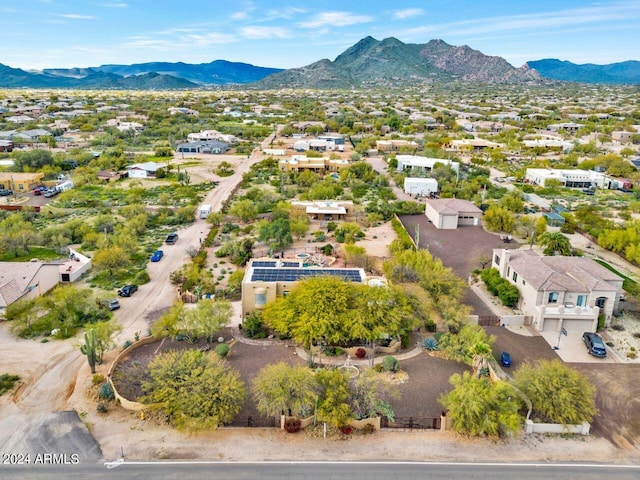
(50, 371)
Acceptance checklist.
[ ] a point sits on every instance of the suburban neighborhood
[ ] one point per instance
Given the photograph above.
(360, 267)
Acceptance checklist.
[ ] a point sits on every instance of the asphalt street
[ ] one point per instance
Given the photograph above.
(320, 470)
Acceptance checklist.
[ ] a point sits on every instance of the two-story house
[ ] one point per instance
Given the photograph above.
(560, 292)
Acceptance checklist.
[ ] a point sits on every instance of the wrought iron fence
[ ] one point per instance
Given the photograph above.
(412, 423)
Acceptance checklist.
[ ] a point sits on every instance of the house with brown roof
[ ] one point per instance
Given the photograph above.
(451, 213)
(559, 292)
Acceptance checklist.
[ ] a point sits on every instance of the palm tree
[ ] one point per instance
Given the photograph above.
(555, 243)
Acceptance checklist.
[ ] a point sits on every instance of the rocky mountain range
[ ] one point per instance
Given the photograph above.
(614, 73)
(369, 62)
(391, 61)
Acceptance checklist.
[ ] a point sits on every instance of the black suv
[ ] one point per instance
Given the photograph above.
(5, 193)
(595, 345)
(127, 290)
(171, 238)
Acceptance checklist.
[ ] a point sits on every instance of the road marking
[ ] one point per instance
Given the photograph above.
(122, 461)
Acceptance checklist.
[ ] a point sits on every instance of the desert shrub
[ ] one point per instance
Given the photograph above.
(617, 327)
(126, 345)
(390, 364)
(142, 277)
(505, 290)
(7, 382)
(222, 350)
(292, 425)
(361, 353)
(97, 379)
(368, 429)
(346, 430)
(430, 325)
(102, 407)
(106, 391)
(253, 327)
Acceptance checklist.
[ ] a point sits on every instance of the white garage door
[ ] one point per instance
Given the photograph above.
(550, 325)
(578, 326)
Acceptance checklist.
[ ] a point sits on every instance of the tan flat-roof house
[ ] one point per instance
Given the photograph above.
(324, 210)
(20, 182)
(300, 163)
(560, 292)
(451, 213)
(268, 279)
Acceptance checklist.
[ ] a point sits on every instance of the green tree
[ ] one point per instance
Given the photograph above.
(111, 258)
(462, 346)
(334, 311)
(558, 393)
(555, 242)
(513, 201)
(299, 227)
(277, 233)
(480, 407)
(333, 403)
(499, 219)
(244, 209)
(215, 218)
(194, 390)
(370, 395)
(103, 332)
(282, 388)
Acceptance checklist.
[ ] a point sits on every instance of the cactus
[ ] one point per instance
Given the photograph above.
(89, 349)
(430, 343)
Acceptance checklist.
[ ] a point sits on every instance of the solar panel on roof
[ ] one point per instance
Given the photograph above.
(264, 264)
(274, 274)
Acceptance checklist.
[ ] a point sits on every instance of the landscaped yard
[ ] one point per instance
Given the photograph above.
(427, 375)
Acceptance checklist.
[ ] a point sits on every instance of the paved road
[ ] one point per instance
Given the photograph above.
(318, 470)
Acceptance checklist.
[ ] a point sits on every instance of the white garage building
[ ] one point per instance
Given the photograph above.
(420, 186)
(451, 213)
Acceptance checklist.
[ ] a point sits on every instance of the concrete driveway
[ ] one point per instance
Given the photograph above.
(573, 350)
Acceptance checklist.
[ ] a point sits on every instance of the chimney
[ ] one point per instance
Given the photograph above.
(504, 261)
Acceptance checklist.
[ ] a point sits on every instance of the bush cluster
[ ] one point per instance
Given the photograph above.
(505, 290)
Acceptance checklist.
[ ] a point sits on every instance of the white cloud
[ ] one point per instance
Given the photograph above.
(285, 12)
(544, 21)
(240, 15)
(257, 33)
(115, 5)
(335, 19)
(407, 13)
(75, 16)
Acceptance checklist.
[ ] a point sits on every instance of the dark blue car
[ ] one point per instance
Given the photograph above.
(157, 255)
(505, 359)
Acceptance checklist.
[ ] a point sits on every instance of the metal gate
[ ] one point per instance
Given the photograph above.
(412, 423)
(489, 320)
(251, 422)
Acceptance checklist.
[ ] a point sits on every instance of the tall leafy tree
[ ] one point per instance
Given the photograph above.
(480, 407)
(333, 404)
(195, 391)
(282, 388)
(558, 393)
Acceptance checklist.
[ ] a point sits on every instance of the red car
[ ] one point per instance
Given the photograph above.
(39, 190)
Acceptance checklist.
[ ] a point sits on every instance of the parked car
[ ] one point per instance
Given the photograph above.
(127, 290)
(171, 238)
(505, 359)
(157, 255)
(112, 304)
(595, 345)
(5, 193)
(50, 192)
(39, 190)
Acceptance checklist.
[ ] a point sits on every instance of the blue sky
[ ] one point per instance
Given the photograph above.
(38, 34)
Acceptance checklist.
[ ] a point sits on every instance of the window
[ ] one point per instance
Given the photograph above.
(553, 297)
(515, 277)
(581, 301)
(497, 260)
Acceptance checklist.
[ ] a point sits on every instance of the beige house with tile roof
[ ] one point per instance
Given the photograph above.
(451, 213)
(26, 280)
(560, 292)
